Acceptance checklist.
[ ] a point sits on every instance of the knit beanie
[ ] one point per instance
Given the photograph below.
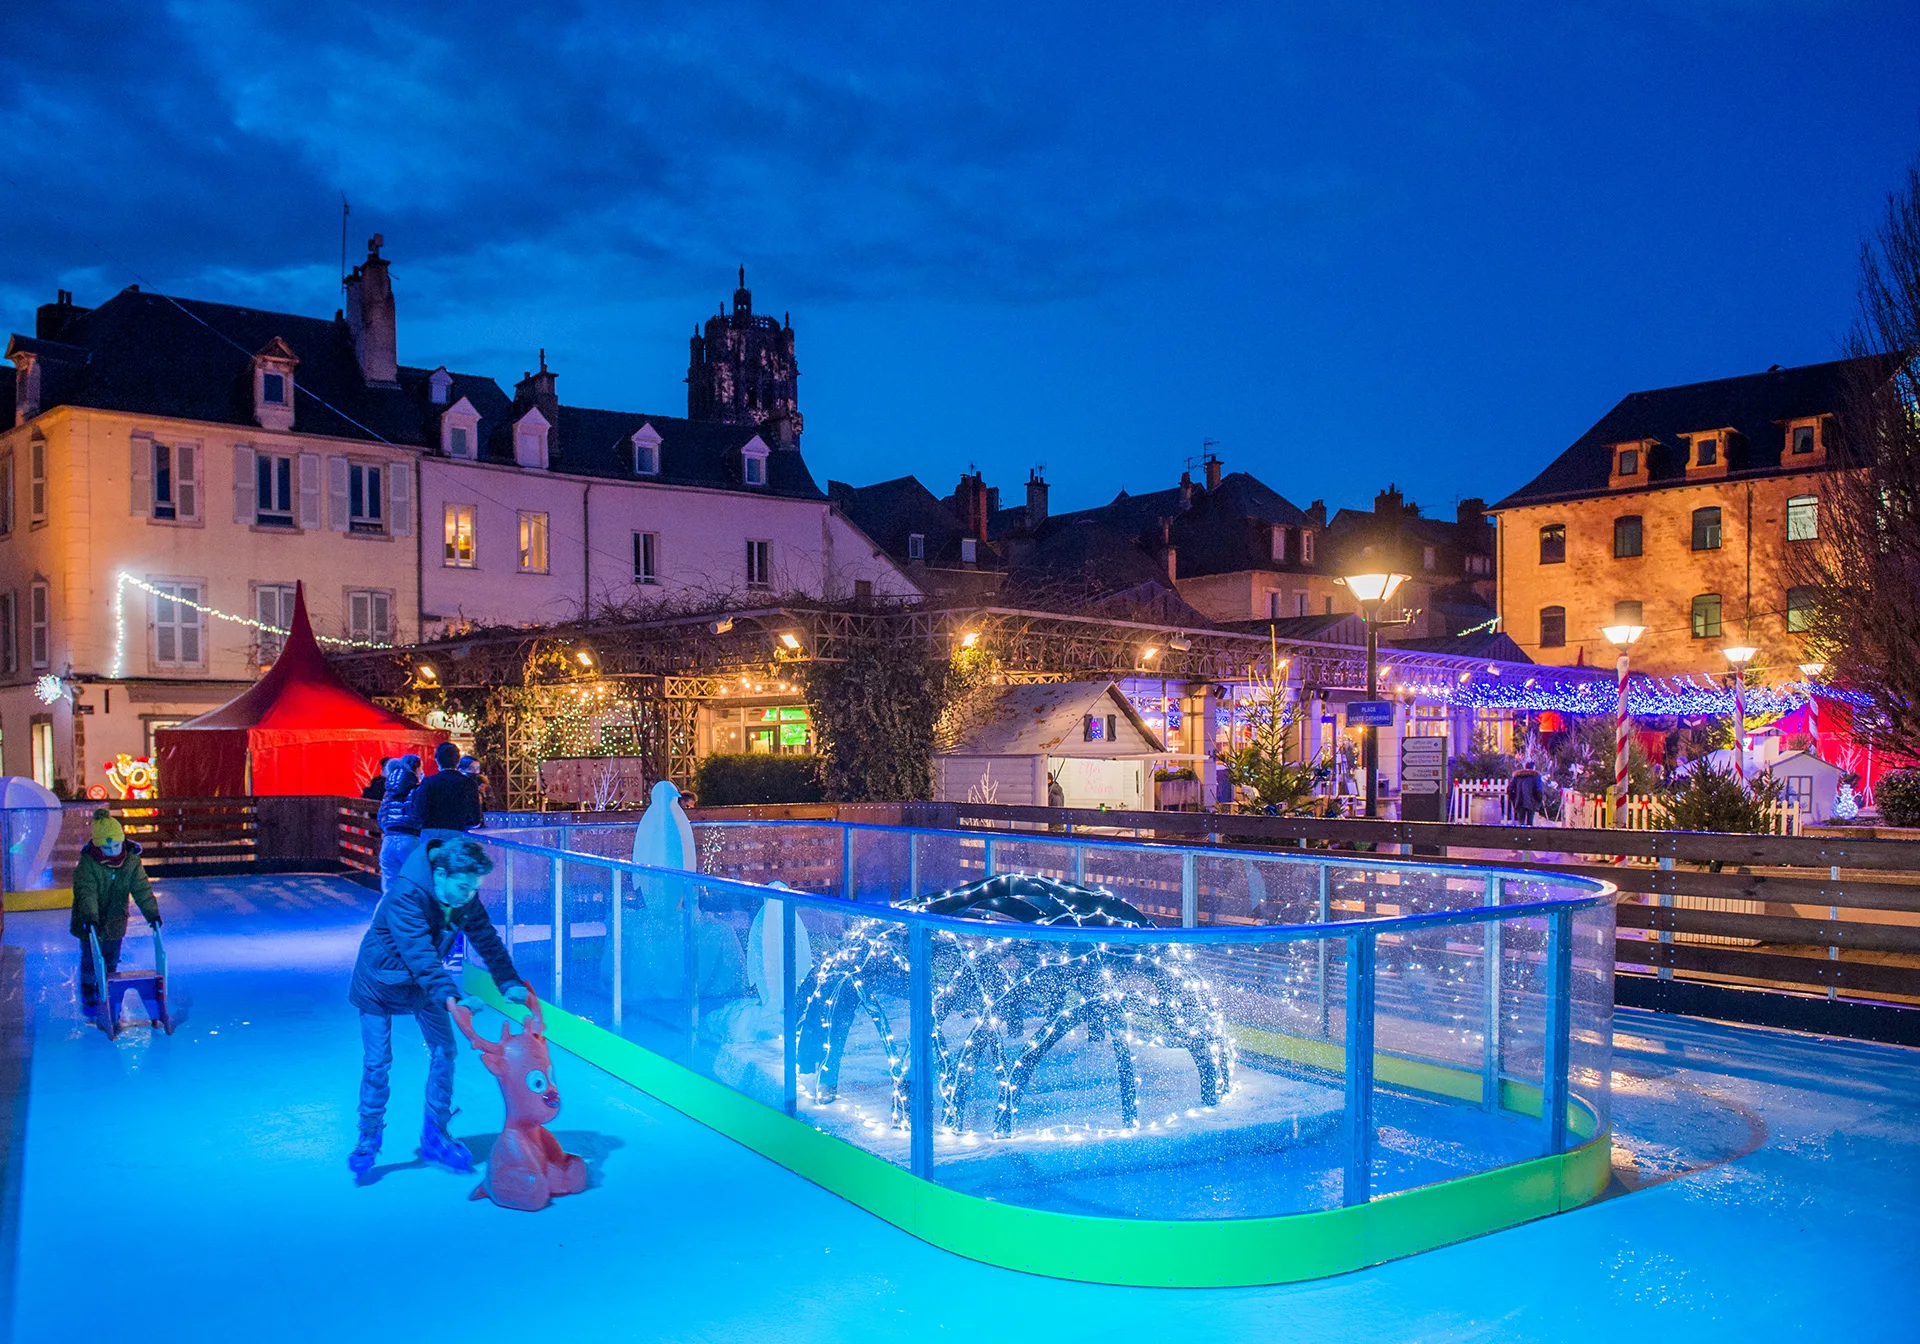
(107, 831)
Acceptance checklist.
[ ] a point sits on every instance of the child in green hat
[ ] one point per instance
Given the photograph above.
(108, 873)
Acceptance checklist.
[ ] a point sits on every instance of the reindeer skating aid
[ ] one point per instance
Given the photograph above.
(527, 1167)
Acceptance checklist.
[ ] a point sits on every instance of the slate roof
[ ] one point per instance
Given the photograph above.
(1035, 720)
(891, 511)
(149, 354)
(1494, 645)
(1755, 405)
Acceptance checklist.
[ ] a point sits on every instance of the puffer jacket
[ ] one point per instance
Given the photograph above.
(396, 811)
(101, 889)
(401, 962)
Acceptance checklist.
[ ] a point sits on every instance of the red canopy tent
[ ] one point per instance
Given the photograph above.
(299, 729)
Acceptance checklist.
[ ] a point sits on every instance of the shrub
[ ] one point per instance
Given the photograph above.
(1706, 799)
(1898, 796)
(744, 780)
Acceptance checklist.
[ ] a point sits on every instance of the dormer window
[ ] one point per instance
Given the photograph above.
(273, 389)
(530, 440)
(916, 546)
(1306, 547)
(460, 430)
(1629, 462)
(1806, 445)
(1629, 466)
(1277, 542)
(439, 386)
(1709, 451)
(273, 370)
(753, 462)
(1706, 451)
(646, 451)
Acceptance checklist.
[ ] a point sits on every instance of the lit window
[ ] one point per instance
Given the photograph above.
(1706, 529)
(1803, 518)
(370, 615)
(1800, 601)
(363, 498)
(759, 564)
(1706, 616)
(646, 557)
(459, 536)
(272, 605)
(1627, 612)
(1553, 627)
(273, 490)
(1553, 544)
(1802, 440)
(533, 543)
(178, 625)
(1626, 536)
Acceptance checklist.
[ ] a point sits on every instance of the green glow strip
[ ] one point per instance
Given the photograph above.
(1160, 1253)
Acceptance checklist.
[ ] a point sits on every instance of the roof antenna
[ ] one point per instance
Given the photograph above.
(345, 210)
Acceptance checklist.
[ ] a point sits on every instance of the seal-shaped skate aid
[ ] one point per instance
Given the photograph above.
(527, 1168)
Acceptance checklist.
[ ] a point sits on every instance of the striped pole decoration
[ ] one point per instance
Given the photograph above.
(1620, 748)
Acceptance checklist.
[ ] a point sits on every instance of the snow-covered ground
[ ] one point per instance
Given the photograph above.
(195, 1188)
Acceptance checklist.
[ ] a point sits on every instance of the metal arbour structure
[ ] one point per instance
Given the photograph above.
(663, 669)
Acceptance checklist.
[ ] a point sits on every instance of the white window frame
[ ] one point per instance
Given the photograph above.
(37, 480)
(1306, 546)
(1803, 518)
(753, 463)
(167, 484)
(759, 562)
(40, 624)
(272, 605)
(1277, 541)
(453, 516)
(364, 610)
(187, 620)
(535, 554)
(463, 417)
(646, 451)
(969, 550)
(273, 517)
(371, 518)
(646, 558)
(916, 546)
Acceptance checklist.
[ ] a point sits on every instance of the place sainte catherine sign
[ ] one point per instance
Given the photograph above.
(1370, 714)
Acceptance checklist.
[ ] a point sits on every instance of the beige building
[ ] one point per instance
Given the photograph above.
(1679, 512)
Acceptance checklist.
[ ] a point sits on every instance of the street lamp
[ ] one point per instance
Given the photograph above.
(1740, 655)
(1622, 638)
(1371, 591)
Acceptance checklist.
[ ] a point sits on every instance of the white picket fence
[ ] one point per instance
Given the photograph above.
(1484, 801)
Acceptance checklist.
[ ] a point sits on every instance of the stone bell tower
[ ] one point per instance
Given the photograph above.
(741, 371)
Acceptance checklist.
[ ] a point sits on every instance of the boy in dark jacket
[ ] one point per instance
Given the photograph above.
(401, 970)
(448, 800)
(108, 873)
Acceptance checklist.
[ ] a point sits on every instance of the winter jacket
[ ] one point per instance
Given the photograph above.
(447, 801)
(396, 812)
(401, 963)
(1526, 792)
(101, 888)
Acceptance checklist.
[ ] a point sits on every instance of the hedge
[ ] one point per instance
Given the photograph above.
(1898, 795)
(743, 780)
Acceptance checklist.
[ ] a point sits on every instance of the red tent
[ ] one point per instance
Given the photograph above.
(299, 729)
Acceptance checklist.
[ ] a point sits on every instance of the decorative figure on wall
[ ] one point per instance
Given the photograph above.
(653, 934)
(132, 776)
(527, 1168)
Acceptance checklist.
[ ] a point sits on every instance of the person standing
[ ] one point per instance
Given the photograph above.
(449, 799)
(376, 788)
(1526, 794)
(399, 832)
(108, 875)
(402, 969)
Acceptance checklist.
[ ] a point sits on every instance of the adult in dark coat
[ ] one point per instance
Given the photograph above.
(1526, 794)
(448, 800)
(401, 969)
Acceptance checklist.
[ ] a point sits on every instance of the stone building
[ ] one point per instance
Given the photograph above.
(1679, 511)
(741, 371)
(1449, 562)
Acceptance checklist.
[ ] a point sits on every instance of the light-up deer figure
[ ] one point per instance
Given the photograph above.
(527, 1167)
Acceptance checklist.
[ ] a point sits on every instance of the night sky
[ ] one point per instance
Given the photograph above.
(1411, 246)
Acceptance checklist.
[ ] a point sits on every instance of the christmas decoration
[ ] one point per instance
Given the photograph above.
(132, 776)
(125, 581)
(1845, 806)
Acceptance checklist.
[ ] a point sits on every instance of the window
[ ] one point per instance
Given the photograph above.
(530, 440)
(1626, 536)
(1629, 464)
(1800, 600)
(363, 498)
(969, 550)
(1706, 451)
(646, 451)
(273, 388)
(370, 615)
(1428, 558)
(1803, 518)
(43, 751)
(6, 494)
(646, 557)
(1553, 544)
(439, 385)
(1306, 547)
(460, 430)
(759, 564)
(1299, 604)
(178, 627)
(533, 543)
(755, 470)
(1273, 605)
(863, 590)
(1329, 606)
(1627, 612)
(1706, 616)
(459, 537)
(458, 444)
(1480, 564)
(39, 640)
(272, 605)
(9, 635)
(166, 480)
(916, 546)
(1277, 540)
(37, 480)
(1802, 439)
(273, 490)
(1706, 529)
(1553, 627)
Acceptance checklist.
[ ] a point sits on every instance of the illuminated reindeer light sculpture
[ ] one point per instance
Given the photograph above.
(527, 1167)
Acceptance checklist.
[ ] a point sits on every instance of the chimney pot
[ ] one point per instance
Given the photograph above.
(1211, 464)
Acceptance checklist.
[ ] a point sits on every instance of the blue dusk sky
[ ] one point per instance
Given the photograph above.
(1420, 244)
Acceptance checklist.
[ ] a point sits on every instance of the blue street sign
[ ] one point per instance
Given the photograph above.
(1370, 714)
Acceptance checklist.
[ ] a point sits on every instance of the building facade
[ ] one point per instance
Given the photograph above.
(1680, 512)
(1449, 563)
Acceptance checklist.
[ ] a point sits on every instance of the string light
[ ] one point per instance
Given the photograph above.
(126, 581)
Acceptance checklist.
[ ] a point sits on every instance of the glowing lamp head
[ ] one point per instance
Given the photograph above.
(427, 672)
(1149, 653)
(1620, 636)
(1740, 655)
(969, 638)
(1367, 588)
(1812, 670)
(584, 658)
(789, 640)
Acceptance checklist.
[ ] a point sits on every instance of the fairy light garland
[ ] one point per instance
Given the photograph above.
(125, 581)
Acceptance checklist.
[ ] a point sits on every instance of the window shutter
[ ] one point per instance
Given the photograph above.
(186, 482)
(336, 488)
(382, 623)
(400, 499)
(357, 615)
(243, 485)
(142, 476)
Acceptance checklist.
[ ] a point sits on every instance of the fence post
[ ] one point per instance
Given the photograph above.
(1559, 1029)
(1189, 892)
(559, 925)
(1665, 972)
(1079, 865)
(1490, 1057)
(986, 856)
(1833, 917)
(789, 1010)
(1325, 917)
(1359, 1081)
(920, 1079)
(616, 948)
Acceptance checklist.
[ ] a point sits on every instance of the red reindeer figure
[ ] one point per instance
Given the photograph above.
(527, 1167)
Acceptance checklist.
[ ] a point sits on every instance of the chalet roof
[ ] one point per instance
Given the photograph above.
(1036, 720)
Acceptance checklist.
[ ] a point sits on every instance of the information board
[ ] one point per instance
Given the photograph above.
(1423, 778)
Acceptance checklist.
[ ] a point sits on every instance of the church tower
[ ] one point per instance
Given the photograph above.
(741, 372)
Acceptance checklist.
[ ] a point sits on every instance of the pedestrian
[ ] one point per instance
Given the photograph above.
(401, 969)
(446, 800)
(399, 832)
(109, 872)
(376, 788)
(1526, 794)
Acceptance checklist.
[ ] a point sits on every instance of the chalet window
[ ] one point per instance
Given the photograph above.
(533, 543)
(1553, 544)
(1803, 518)
(759, 564)
(1802, 439)
(459, 536)
(916, 544)
(1706, 529)
(1627, 612)
(646, 557)
(1626, 536)
(1629, 463)
(1553, 627)
(1706, 451)
(1800, 601)
(1706, 616)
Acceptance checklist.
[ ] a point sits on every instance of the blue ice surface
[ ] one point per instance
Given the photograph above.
(195, 1188)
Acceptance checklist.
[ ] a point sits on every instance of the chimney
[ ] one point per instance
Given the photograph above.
(993, 500)
(52, 319)
(1317, 511)
(1471, 513)
(1186, 490)
(1389, 503)
(1211, 465)
(537, 389)
(1036, 499)
(371, 320)
(972, 501)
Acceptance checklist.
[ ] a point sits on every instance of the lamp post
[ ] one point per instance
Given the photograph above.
(1811, 671)
(1622, 638)
(1371, 591)
(1740, 655)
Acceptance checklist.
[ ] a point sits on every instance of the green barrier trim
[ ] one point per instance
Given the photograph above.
(1147, 1253)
